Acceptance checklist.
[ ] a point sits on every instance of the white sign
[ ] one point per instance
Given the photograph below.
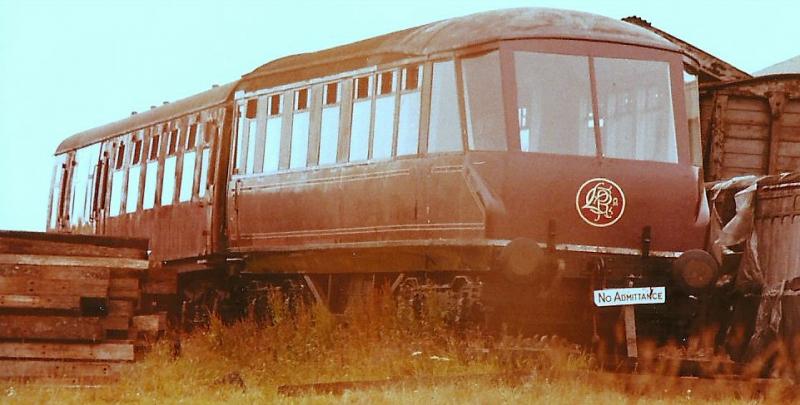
(630, 296)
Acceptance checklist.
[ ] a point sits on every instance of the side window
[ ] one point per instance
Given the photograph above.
(189, 161)
(272, 142)
(204, 132)
(691, 93)
(362, 106)
(408, 125)
(250, 134)
(445, 125)
(483, 102)
(170, 162)
(134, 172)
(151, 171)
(298, 156)
(383, 132)
(329, 137)
(117, 179)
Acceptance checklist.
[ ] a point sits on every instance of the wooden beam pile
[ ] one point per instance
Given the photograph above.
(67, 305)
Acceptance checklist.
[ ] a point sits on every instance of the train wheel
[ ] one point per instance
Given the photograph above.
(201, 300)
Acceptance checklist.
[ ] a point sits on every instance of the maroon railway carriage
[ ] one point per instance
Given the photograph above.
(537, 153)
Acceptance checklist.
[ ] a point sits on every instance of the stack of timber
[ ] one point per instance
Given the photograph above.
(68, 305)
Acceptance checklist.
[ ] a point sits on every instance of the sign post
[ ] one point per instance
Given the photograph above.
(628, 298)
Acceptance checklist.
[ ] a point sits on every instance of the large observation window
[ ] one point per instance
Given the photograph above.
(554, 103)
(556, 96)
(635, 105)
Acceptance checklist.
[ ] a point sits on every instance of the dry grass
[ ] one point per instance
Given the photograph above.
(371, 342)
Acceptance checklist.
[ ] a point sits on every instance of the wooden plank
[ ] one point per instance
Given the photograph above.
(791, 119)
(54, 272)
(65, 302)
(150, 323)
(729, 172)
(120, 308)
(57, 369)
(161, 281)
(745, 161)
(36, 286)
(124, 288)
(84, 261)
(45, 247)
(747, 117)
(126, 273)
(747, 146)
(742, 131)
(790, 149)
(791, 133)
(50, 327)
(160, 288)
(630, 330)
(116, 322)
(756, 104)
(793, 106)
(67, 351)
(107, 241)
(788, 164)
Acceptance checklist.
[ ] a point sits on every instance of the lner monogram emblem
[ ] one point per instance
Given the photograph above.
(600, 202)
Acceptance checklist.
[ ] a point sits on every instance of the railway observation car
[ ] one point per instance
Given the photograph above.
(526, 157)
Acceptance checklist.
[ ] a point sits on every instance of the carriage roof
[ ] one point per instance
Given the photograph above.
(470, 30)
(428, 39)
(188, 105)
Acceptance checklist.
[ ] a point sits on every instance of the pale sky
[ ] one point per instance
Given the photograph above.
(67, 66)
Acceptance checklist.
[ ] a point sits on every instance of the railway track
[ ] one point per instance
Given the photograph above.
(633, 384)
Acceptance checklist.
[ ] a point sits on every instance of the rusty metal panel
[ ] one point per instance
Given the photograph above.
(778, 230)
(417, 199)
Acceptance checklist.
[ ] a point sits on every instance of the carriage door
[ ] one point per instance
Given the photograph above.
(59, 192)
(100, 182)
(77, 212)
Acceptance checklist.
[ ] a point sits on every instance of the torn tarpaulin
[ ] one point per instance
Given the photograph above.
(765, 224)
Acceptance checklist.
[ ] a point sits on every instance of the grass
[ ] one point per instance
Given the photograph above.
(246, 363)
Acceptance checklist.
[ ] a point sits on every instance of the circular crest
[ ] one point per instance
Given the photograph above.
(600, 202)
